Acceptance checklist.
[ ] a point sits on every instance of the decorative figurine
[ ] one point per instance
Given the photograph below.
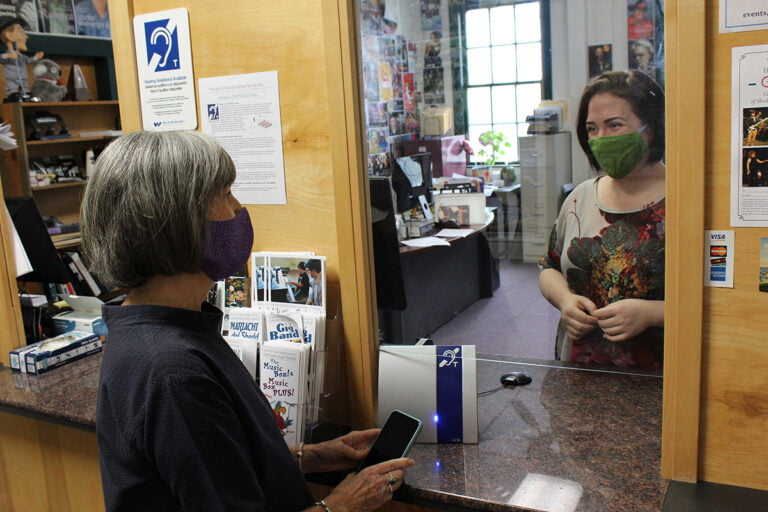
(14, 37)
(47, 85)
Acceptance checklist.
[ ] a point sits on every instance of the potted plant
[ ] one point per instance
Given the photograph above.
(494, 147)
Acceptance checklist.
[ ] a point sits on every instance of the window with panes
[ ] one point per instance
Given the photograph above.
(505, 69)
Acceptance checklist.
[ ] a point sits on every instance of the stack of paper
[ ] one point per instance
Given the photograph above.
(7, 140)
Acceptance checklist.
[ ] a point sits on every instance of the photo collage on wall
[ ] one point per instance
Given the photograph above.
(396, 80)
(645, 34)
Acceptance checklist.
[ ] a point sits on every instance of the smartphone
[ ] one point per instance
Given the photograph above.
(395, 439)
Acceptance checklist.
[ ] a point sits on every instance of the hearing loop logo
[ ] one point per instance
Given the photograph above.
(162, 41)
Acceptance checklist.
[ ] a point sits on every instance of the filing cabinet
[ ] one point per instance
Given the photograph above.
(545, 166)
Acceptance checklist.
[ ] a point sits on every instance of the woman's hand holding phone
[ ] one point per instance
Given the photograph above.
(369, 489)
(342, 453)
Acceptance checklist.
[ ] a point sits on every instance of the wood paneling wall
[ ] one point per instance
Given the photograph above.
(716, 383)
(734, 385)
(47, 468)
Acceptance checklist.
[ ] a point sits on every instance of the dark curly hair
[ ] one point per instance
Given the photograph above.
(646, 99)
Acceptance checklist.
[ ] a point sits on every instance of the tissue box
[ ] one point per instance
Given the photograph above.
(85, 317)
(79, 321)
(46, 355)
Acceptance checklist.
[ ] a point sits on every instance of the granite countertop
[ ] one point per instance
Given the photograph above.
(572, 440)
(578, 439)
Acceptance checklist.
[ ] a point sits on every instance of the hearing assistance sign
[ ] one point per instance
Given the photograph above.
(164, 61)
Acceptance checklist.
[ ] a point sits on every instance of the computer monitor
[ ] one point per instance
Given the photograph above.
(390, 289)
(47, 266)
(405, 174)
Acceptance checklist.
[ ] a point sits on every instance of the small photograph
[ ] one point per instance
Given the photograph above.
(401, 51)
(755, 122)
(432, 50)
(387, 47)
(290, 280)
(600, 59)
(371, 81)
(409, 85)
(370, 47)
(434, 89)
(764, 264)
(237, 292)
(385, 81)
(430, 15)
(92, 18)
(370, 21)
(379, 164)
(412, 122)
(377, 113)
(453, 216)
(377, 140)
(56, 16)
(639, 19)
(641, 56)
(396, 123)
(397, 89)
(754, 172)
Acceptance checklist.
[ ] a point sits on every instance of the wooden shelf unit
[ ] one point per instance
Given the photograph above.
(61, 200)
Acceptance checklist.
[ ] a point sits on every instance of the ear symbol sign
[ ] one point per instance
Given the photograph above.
(165, 34)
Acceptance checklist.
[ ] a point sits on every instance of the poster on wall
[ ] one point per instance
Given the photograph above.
(243, 113)
(743, 15)
(166, 78)
(600, 59)
(749, 136)
(430, 15)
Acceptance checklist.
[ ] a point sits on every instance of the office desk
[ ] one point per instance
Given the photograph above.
(439, 283)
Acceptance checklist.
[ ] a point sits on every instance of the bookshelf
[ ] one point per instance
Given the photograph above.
(60, 199)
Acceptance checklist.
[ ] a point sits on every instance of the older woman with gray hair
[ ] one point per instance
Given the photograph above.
(180, 423)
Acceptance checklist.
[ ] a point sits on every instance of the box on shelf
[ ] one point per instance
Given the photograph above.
(86, 316)
(46, 355)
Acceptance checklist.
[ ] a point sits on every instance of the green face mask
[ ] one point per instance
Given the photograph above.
(618, 155)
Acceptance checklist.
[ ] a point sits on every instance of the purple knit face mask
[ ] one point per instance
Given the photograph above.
(230, 244)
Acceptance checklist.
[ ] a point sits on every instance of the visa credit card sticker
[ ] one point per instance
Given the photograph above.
(718, 258)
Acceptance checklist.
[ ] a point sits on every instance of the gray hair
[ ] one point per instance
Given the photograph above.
(145, 210)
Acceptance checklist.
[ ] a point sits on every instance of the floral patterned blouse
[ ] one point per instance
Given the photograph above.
(609, 255)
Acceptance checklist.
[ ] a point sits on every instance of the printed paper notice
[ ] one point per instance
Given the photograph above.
(749, 136)
(242, 112)
(718, 259)
(164, 61)
(743, 15)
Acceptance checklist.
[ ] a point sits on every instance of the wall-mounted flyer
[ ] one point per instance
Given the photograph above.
(743, 15)
(164, 62)
(242, 112)
(718, 259)
(749, 136)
